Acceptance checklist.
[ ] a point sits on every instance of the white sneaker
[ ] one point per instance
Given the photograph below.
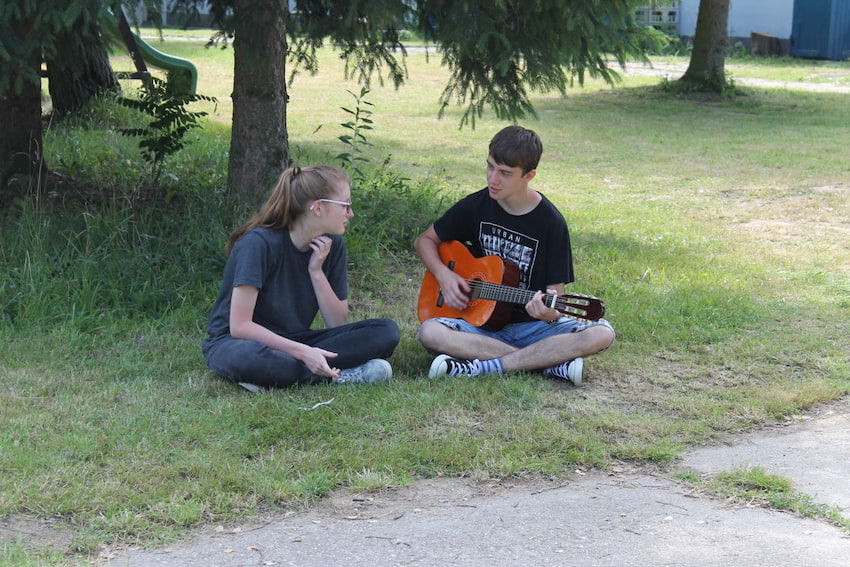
(376, 370)
(570, 370)
(445, 365)
(253, 388)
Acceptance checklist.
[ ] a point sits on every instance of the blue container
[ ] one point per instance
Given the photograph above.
(821, 29)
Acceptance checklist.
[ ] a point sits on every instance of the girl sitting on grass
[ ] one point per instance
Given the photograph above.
(285, 264)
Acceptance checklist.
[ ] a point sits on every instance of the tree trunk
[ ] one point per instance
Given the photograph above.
(259, 148)
(79, 70)
(711, 42)
(20, 116)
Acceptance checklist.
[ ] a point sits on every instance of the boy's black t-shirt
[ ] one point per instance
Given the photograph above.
(538, 242)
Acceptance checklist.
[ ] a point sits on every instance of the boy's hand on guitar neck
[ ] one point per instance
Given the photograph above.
(454, 288)
(537, 309)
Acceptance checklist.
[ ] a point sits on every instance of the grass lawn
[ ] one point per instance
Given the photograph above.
(716, 230)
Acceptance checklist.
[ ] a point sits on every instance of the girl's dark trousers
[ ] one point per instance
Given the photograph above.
(244, 360)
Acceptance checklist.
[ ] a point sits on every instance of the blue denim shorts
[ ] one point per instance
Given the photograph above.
(521, 335)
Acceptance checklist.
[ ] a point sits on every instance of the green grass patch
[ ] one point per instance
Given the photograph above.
(19, 553)
(756, 487)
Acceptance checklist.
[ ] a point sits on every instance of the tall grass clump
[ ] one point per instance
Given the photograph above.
(105, 244)
(86, 266)
(107, 167)
(391, 211)
(109, 246)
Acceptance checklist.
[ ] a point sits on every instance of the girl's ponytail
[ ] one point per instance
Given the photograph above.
(290, 198)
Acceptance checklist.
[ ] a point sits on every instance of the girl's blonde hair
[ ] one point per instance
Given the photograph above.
(295, 189)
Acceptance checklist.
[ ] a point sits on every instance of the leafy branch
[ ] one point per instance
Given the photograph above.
(165, 134)
(356, 139)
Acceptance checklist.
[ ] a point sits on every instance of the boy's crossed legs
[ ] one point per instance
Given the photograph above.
(557, 348)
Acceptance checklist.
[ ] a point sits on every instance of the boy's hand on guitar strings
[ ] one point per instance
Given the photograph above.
(455, 289)
(537, 309)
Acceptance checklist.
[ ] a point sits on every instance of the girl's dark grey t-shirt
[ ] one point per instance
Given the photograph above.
(266, 259)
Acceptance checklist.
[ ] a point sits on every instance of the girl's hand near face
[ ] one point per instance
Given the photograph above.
(321, 246)
(334, 310)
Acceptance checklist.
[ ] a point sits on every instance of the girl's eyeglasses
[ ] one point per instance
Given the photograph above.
(346, 204)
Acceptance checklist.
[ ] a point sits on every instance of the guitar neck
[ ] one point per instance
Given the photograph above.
(506, 294)
(580, 306)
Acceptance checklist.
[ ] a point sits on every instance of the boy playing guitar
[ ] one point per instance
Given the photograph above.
(510, 220)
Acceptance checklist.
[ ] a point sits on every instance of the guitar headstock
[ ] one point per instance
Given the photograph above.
(580, 306)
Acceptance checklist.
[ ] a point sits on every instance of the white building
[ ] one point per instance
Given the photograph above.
(771, 17)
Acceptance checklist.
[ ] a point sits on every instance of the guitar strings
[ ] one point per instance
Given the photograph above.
(500, 292)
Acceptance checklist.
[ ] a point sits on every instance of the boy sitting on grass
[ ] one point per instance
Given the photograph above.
(511, 220)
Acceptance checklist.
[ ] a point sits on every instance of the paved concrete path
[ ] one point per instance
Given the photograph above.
(617, 518)
(815, 454)
(828, 82)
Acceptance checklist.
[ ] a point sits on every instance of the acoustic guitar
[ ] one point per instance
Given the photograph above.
(493, 289)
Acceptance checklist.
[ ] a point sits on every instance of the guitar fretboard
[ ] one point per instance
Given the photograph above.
(498, 292)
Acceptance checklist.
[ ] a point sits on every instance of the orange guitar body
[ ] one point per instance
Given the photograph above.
(478, 312)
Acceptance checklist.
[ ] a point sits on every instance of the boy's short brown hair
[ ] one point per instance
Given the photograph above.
(516, 146)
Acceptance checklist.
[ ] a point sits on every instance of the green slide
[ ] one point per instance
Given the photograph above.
(182, 74)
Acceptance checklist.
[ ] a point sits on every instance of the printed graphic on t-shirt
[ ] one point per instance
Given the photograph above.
(510, 245)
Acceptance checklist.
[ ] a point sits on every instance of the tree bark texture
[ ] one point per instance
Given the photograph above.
(20, 122)
(79, 70)
(259, 148)
(711, 42)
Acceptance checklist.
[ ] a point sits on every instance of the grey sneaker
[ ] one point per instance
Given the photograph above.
(445, 365)
(253, 388)
(569, 370)
(376, 370)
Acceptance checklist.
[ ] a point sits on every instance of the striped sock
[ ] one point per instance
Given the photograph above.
(494, 365)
